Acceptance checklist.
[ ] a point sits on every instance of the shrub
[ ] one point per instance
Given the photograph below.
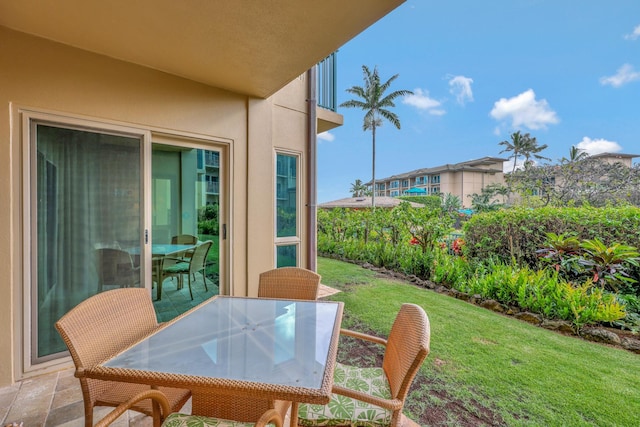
(516, 234)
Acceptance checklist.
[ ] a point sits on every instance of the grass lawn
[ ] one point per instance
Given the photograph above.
(490, 363)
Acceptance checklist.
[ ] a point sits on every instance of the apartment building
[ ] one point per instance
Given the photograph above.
(459, 179)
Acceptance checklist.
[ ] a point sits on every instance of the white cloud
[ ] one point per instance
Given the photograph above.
(524, 110)
(626, 74)
(326, 136)
(421, 100)
(507, 166)
(461, 89)
(634, 34)
(597, 146)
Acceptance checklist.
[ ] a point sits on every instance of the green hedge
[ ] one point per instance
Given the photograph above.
(516, 234)
(431, 202)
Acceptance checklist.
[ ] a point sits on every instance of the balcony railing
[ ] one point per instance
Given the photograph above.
(213, 187)
(327, 82)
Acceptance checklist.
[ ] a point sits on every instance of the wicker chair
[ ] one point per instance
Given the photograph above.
(289, 283)
(189, 266)
(102, 326)
(184, 420)
(184, 239)
(115, 268)
(386, 387)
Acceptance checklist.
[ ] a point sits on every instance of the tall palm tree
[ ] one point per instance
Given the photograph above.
(523, 146)
(575, 155)
(371, 98)
(358, 189)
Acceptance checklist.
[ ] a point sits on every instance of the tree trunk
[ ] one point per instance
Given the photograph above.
(373, 165)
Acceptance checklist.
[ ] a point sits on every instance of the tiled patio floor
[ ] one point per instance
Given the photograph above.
(56, 399)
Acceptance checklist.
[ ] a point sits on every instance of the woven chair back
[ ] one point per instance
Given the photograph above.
(106, 323)
(289, 283)
(199, 257)
(407, 347)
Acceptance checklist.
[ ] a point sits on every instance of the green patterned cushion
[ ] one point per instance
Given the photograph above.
(342, 410)
(186, 420)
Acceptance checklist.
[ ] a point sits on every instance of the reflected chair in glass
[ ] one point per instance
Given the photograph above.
(184, 239)
(289, 283)
(381, 391)
(270, 417)
(102, 326)
(115, 268)
(190, 266)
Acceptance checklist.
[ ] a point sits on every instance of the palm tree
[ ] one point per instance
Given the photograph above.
(371, 98)
(575, 155)
(525, 146)
(358, 189)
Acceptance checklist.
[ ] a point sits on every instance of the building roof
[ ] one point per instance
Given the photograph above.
(614, 156)
(470, 165)
(365, 202)
(244, 46)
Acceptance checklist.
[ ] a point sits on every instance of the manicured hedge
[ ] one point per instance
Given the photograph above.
(516, 234)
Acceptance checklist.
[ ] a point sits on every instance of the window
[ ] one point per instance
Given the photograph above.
(287, 195)
(435, 179)
(405, 183)
(394, 184)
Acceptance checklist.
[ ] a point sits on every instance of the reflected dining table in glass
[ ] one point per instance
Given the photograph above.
(253, 349)
(158, 253)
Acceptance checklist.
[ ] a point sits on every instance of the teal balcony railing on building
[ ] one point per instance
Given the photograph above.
(327, 82)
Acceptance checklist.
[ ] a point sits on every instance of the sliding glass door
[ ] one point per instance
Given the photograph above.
(108, 208)
(87, 222)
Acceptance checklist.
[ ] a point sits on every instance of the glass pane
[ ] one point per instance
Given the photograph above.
(287, 256)
(185, 206)
(286, 196)
(87, 223)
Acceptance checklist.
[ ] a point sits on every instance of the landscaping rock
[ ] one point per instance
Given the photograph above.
(631, 344)
(492, 305)
(534, 319)
(558, 325)
(600, 335)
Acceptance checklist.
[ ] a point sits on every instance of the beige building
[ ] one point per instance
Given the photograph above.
(459, 179)
(122, 122)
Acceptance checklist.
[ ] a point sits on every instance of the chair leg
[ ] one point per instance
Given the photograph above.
(204, 279)
(190, 293)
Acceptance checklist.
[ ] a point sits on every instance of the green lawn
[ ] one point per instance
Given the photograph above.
(526, 374)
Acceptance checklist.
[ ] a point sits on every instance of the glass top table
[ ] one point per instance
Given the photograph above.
(276, 349)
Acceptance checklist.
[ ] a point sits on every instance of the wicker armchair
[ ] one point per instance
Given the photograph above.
(102, 326)
(289, 283)
(184, 420)
(196, 263)
(386, 387)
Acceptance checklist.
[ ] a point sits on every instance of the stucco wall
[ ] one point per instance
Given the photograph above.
(50, 77)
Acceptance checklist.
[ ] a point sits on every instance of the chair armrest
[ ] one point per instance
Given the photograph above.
(155, 395)
(362, 336)
(270, 416)
(392, 404)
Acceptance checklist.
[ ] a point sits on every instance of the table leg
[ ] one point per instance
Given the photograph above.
(294, 414)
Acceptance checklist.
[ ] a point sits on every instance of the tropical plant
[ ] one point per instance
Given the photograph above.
(372, 99)
(609, 263)
(358, 189)
(523, 146)
(562, 251)
(575, 155)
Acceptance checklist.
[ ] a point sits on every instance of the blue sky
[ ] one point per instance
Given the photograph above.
(565, 71)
